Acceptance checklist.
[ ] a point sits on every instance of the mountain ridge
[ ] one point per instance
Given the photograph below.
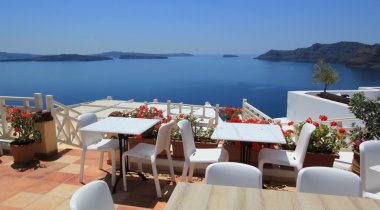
(350, 54)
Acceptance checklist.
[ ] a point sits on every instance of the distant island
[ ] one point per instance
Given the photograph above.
(230, 56)
(11, 57)
(350, 54)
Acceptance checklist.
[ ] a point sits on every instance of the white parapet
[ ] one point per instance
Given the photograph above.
(304, 104)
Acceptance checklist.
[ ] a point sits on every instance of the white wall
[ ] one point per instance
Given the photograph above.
(303, 104)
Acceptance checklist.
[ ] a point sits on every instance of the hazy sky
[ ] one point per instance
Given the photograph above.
(194, 26)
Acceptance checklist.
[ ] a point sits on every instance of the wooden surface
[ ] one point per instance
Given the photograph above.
(193, 196)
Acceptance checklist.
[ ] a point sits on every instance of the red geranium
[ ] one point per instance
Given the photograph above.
(309, 120)
(315, 124)
(290, 123)
(323, 117)
(342, 130)
(333, 123)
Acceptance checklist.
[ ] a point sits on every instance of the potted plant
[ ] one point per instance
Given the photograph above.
(25, 133)
(325, 141)
(202, 136)
(368, 111)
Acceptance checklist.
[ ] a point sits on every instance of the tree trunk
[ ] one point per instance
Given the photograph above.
(324, 90)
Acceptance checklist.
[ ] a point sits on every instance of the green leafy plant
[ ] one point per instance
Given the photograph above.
(323, 72)
(369, 111)
(22, 124)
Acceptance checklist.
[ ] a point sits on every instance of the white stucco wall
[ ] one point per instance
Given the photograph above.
(302, 104)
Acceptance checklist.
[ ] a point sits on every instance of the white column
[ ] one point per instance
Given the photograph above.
(38, 104)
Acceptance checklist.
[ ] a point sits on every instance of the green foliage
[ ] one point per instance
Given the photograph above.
(323, 72)
(368, 111)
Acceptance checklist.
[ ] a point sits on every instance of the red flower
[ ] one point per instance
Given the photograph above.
(7, 118)
(13, 119)
(139, 115)
(290, 123)
(333, 123)
(339, 138)
(181, 116)
(341, 130)
(139, 136)
(289, 132)
(316, 124)
(157, 127)
(17, 129)
(309, 120)
(235, 120)
(4, 105)
(323, 117)
(357, 143)
(256, 147)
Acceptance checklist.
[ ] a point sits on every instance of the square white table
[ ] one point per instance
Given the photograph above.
(248, 133)
(121, 125)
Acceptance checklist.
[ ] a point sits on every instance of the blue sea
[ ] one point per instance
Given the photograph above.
(224, 81)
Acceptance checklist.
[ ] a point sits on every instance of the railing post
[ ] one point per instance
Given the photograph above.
(109, 98)
(26, 106)
(243, 114)
(38, 102)
(3, 116)
(168, 108)
(155, 100)
(49, 103)
(216, 114)
(67, 124)
(180, 108)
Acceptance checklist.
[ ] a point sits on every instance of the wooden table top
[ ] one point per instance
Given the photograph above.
(203, 196)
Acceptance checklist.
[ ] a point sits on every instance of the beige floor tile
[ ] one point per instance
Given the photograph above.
(63, 190)
(68, 159)
(21, 199)
(65, 205)
(72, 168)
(46, 202)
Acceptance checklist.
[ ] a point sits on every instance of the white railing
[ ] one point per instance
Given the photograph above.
(66, 122)
(250, 112)
(5, 131)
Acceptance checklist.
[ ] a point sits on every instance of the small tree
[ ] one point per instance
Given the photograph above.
(323, 72)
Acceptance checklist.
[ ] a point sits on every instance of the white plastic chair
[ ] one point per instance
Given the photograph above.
(288, 158)
(332, 181)
(95, 142)
(150, 152)
(370, 156)
(94, 195)
(234, 174)
(194, 155)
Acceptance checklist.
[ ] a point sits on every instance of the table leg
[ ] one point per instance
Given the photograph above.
(245, 152)
(122, 149)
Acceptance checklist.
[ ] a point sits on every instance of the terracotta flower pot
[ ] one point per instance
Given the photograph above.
(23, 154)
(234, 154)
(319, 159)
(178, 147)
(355, 166)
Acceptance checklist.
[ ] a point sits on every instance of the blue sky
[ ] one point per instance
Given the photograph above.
(196, 26)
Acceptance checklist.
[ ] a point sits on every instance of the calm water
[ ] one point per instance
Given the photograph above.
(184, 79)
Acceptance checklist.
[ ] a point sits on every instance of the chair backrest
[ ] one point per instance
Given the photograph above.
(88, 138)
(233, 174)
(326, 180)
(370, 156)
(187, 138)
(163, 137)
(303, 143)
(94, 195)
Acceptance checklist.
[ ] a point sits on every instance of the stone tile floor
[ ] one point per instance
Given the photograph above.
(49, 184)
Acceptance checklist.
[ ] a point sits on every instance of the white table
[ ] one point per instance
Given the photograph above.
(375, 168)
(248, 133)
(122, 125)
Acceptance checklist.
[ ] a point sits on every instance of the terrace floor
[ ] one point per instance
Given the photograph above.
(49, 184)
